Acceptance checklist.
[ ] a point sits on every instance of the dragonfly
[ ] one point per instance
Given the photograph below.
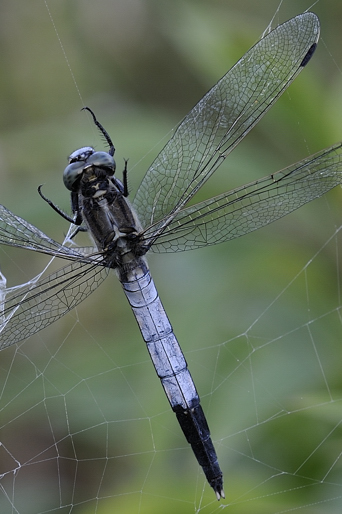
(162, 217)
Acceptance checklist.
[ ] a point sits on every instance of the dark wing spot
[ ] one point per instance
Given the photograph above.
(309, 55)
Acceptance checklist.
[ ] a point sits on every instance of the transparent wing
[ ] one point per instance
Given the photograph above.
(27, 309)
(252, 206)
(15, 231)
(223, 117)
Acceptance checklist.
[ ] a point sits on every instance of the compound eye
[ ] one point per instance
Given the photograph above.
(82, 154)
(86, 158)
(102, 160)
(71, 174)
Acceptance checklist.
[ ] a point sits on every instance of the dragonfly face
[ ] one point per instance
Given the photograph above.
(165, 222)
(85, 158)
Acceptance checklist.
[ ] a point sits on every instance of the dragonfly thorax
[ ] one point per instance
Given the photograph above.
(108, 215)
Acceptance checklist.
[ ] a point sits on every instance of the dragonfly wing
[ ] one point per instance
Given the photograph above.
(252, 206)
(30, 308)
(15, 231)
(223, 117)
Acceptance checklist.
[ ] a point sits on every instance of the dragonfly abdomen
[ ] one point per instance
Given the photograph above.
(172, 369)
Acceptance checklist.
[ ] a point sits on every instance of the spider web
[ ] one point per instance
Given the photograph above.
(85, 427)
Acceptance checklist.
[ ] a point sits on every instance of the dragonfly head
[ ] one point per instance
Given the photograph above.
(81, 154)
(82, 159)
(86, 157)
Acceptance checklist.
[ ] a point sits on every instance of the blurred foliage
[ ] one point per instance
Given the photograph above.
(81, 407)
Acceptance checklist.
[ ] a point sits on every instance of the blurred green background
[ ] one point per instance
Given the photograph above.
(85, 426)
